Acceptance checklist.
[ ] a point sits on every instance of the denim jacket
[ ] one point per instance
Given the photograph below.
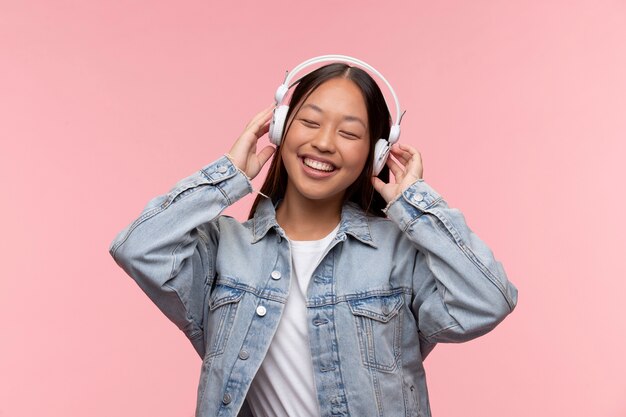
(385, 292)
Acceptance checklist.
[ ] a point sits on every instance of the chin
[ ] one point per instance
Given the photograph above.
(320, 195)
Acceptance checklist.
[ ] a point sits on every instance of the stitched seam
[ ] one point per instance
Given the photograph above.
(134, 225)
(264, 293)
(427, 338)
(455, 238)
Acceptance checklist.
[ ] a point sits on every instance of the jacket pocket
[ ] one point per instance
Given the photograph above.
(378, 324)
(223, 304)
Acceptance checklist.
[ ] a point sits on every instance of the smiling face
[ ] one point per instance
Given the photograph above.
(327, 142)
(368, 104)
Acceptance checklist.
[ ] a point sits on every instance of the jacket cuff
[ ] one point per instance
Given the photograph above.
(412, 203)
(230, 180)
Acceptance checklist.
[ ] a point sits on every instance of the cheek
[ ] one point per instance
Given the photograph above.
(359, 154)
(292, 141)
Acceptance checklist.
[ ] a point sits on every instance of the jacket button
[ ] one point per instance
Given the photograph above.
(418, 197)
(261, 311)
(226, 399)
(243, 355)
(275, 275)
(221, 169)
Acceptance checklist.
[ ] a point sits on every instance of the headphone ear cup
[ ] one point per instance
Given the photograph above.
(394, 134)
(278, 124)
(381, 152)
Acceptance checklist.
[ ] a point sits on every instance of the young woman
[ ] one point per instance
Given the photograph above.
(328, 299)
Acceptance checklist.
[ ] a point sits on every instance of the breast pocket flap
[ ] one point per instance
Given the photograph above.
(379, 308)
(223, 294)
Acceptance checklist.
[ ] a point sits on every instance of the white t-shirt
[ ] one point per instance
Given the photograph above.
(284, 384)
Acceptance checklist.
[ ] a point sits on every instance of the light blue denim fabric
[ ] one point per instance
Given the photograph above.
(386, 291)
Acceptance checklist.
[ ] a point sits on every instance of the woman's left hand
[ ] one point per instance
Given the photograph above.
(406, 174)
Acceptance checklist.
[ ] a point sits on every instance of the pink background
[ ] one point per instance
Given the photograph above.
(518, 109)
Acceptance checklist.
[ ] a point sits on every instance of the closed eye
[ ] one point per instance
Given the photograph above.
(309, 123)
(349, 135)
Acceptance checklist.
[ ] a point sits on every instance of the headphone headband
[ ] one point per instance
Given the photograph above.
(282, 90)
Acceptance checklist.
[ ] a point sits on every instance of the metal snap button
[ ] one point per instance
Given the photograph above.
(275, 275)
(418, 197)
(221, 169)
(243, 354)
(261, 311)
(226, 399)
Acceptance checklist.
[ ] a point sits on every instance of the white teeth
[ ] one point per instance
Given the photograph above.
(320, 166)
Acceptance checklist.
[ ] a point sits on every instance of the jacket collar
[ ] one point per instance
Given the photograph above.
(354, 222)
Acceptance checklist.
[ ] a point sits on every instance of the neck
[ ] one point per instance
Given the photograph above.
(305, 219)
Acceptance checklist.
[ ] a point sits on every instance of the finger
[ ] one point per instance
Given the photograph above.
(410, 150)
(265, 154)
(263, 115)
(406, 147)
(402, 155)
(260, 119)
(396, 169)
(259, 127)
(414, 165)
(263, 129)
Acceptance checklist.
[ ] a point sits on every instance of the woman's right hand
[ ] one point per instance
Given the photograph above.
(243, 153)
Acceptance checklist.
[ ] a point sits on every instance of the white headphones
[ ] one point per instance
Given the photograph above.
(381, 150)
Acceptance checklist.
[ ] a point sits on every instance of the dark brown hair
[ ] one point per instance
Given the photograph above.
(361, 191)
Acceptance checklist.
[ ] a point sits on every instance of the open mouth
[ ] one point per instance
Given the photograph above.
(318, 165)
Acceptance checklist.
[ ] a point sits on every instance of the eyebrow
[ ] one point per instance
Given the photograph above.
(348, 118)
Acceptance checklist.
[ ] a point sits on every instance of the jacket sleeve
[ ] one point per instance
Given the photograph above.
(169, 250)
(460, 290)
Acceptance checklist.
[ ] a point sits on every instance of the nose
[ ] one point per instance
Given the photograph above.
(324, 139)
